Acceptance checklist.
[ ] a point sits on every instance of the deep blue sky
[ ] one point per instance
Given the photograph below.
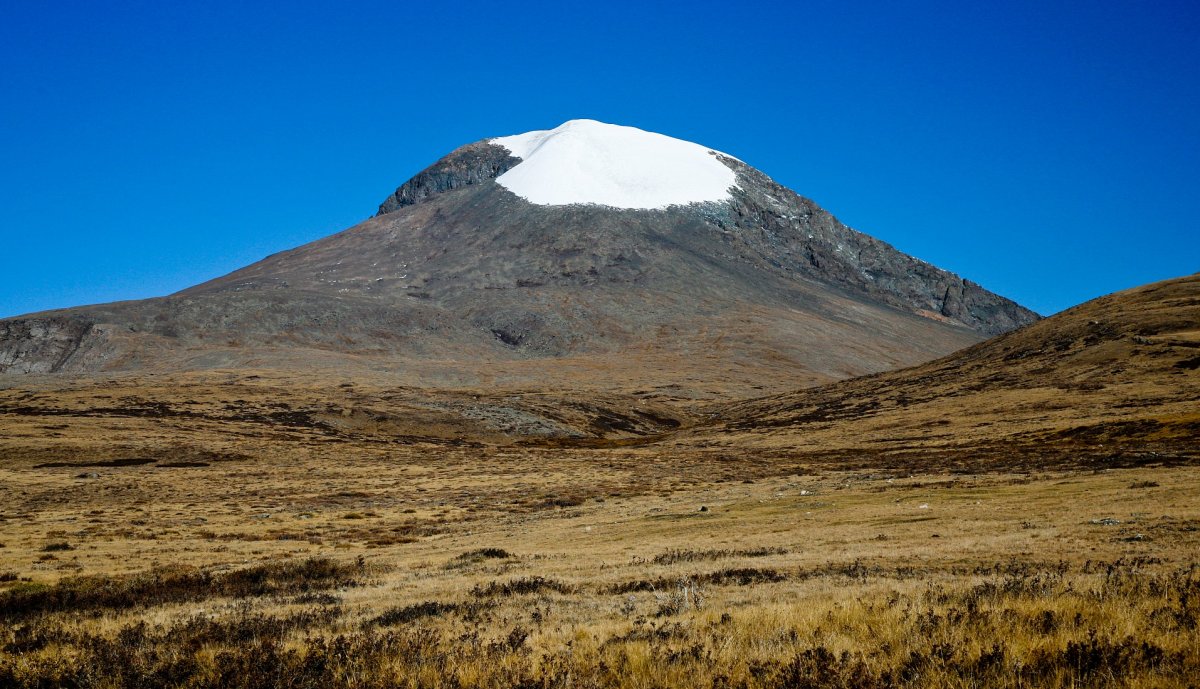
(1050, 151)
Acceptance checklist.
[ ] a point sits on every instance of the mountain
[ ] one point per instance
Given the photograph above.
(1108, 383)
(633, 260)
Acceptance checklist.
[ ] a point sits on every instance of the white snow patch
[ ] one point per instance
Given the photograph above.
(590, 162)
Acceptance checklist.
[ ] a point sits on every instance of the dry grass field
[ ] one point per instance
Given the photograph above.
(985, 521)
(338, 564)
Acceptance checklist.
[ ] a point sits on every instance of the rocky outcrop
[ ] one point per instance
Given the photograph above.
(795, 234)
(47, 345)
(471, 164)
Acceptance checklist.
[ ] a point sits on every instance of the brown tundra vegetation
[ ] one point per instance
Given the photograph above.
(1021, 513)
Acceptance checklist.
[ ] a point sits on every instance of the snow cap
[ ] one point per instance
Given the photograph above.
(590, 162)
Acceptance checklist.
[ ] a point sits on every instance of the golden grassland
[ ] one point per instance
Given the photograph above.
(1022, 513)
(336, 564)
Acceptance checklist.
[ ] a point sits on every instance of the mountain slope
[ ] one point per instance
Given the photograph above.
(460, 279)
(1111, 381)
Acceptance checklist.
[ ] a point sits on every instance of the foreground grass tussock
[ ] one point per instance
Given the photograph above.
(674, 556)
(92, 594)
(1119, 624)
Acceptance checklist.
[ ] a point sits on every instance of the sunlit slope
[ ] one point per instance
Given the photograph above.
(1117, 377)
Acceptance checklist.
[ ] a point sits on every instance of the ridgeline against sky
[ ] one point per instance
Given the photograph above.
(1049, 153)
(619, 249)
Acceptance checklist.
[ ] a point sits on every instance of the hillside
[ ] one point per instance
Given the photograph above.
(1113, 381)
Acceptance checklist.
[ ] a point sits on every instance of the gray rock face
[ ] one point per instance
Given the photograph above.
(47, 345)
(456, 270)
(471, 164)
(783, 226)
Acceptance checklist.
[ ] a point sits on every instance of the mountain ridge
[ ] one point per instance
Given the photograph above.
(457, 267)
(483, 160)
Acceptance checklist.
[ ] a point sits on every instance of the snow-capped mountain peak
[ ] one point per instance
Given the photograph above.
(590, 162)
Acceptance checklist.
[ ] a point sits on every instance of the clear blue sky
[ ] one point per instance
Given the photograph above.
(1050, 151)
